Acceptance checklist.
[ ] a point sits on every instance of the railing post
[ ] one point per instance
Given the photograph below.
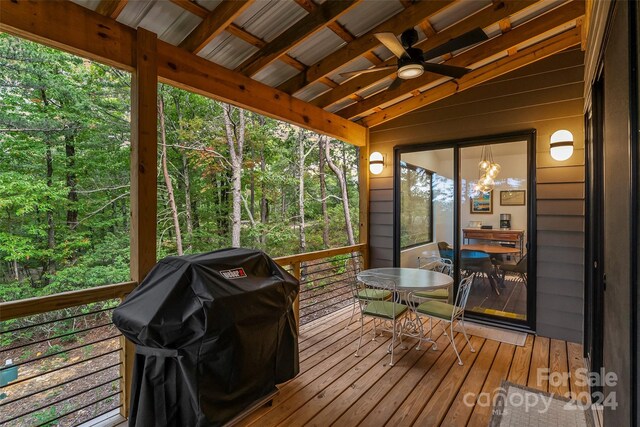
(363, 188)
(296, 304)
(144, 151)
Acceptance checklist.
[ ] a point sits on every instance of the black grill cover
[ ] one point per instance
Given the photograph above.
(214, 333)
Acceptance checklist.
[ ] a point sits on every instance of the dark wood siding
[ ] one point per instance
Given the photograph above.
(545, 96)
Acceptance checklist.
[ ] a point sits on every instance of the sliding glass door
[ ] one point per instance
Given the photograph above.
(470, 202)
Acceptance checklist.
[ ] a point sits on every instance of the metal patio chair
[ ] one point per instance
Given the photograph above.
(441, 265)
(387, 311)
(449, 313)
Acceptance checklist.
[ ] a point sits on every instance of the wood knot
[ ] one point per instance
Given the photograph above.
(173, 66)
(103, 35)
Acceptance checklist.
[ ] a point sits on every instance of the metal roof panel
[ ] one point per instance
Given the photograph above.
(267, 19)
(316, 47)
(227, 50)
(275, 73)
(369, 14)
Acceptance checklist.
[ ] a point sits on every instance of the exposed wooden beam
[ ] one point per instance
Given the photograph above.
(214, 23)
(488, 72)
(427, 28)
(191, 72)
(334, 26)
(192, 7)
(290, 60)
(413, 15)
(324, 14)
(235, 30)
(246, 36)
(105, 40)
(341, 31)
(562, 15)
(56, 24)
(111, 8)
(483, 18)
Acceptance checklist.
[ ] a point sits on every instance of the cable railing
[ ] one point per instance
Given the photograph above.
(61, 358)
(325, 279)
(63, 362)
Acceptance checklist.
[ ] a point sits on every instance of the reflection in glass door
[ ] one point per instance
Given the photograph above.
(493, 227)
(426, 206)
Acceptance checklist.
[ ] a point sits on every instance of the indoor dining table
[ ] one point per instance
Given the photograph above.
(408, 281)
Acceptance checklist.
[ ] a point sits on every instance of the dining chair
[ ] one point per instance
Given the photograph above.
(520, 269)
(479, 263)
(386, 310)
(450, 313)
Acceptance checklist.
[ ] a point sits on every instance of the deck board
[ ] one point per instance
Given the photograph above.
(424, 388)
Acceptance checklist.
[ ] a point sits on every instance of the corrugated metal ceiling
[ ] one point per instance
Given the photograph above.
(267, 19)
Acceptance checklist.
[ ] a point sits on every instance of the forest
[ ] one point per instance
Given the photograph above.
(226, 177)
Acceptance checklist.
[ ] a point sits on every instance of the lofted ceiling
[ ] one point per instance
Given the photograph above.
(302, 46)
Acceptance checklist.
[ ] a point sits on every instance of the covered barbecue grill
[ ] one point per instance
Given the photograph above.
(214, 333)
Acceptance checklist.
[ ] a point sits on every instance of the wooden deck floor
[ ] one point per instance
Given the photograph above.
(424, 388)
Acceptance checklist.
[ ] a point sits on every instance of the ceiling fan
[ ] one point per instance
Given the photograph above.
(412, 61)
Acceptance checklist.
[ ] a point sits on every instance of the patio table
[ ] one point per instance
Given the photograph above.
(408, 281)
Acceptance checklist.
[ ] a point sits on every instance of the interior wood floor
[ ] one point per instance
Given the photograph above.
(511, 303)
(423, 388)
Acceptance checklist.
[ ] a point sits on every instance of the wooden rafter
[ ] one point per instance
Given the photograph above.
(482, 19)
(562, 15)
(111, 8)
(214, 23)
(192, 7)
(411, 16)
(488, 72)
(108, 41)
(334, 26)
(326, 13)
(235, 30)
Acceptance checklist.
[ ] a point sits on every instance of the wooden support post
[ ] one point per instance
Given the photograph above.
(296, 304)
(144, 151)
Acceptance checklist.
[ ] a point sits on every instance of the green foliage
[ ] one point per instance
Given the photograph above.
(64, 176)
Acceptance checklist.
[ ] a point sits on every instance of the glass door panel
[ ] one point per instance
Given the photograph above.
(493, 228)
(426, 206)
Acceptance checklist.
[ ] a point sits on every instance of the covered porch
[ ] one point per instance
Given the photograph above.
(529, 75)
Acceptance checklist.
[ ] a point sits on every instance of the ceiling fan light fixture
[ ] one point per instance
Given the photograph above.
(410, 71)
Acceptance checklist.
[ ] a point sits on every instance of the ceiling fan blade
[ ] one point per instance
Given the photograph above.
(390, 41)
(394, 84)
(467, 39)
(368, 70)
(445, 70)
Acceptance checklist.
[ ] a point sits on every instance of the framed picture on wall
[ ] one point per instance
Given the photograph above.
(513, 198)
(483, 204)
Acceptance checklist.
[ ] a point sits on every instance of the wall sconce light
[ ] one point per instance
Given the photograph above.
(376, 163)
(561, 145)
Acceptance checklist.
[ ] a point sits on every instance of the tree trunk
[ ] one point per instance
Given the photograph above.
(343, 189)
(235, 140)
(50, 264)
(323, 193)
(264, 207)
(187, 201)
(301, 158)
(167, 177)
(72, 196)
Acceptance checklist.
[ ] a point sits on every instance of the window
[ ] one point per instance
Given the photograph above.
(416, 222)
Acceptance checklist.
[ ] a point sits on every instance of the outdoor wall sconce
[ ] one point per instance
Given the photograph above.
(561, 145)
(376, 163)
